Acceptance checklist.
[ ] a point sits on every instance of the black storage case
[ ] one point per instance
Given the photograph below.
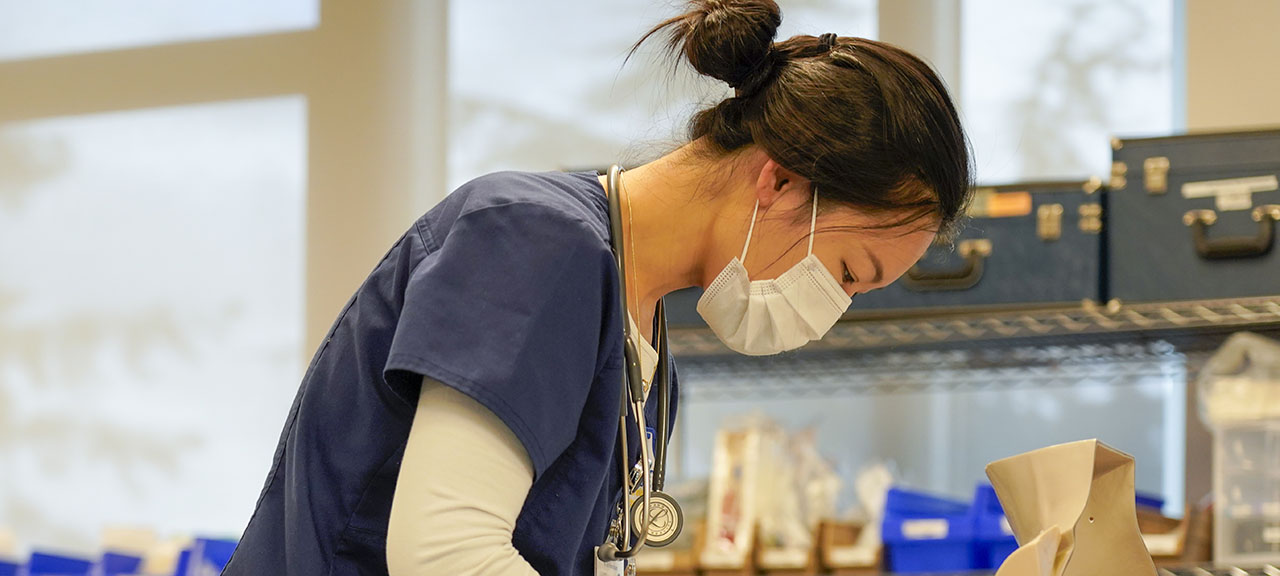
(1034, 243)
(1194, 216)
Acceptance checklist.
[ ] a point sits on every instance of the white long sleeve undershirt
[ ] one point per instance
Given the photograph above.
(462, 484)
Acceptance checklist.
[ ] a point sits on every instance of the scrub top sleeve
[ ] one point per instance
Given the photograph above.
(509, 310)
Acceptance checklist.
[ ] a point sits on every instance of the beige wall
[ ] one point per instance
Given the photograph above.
(377, 140)
(1233, 54)
(929, 29)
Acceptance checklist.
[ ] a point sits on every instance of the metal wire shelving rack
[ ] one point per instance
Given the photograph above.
(828, 374)
(980, 349)
(874, 331)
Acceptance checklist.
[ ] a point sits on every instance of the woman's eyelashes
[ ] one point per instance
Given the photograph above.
(847, 277)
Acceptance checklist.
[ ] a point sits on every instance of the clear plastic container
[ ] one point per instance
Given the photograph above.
(1240, 402)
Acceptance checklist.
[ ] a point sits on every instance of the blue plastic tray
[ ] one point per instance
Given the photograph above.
(206, 555)
(1149, 501)
(926, 533)
(993, 541)
(44, 564)
(115, 564)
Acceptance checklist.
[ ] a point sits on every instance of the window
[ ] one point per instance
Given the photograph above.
(152, 280)
(541, 86)
(1047, 83)
(55, 27)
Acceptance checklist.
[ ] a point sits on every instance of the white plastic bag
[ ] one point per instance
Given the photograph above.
(1241, 382)
(797, 490)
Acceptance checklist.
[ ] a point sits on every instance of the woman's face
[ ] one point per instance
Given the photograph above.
(862, 257)
(855, 247)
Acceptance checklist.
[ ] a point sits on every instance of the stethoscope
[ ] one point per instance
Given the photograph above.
(665, 519)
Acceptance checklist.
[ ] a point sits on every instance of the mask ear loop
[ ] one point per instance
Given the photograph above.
(813, 226)
(813, 220)
(743, 258)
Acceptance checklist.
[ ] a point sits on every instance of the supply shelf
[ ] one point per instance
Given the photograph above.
(1085, 322)
(887, 372)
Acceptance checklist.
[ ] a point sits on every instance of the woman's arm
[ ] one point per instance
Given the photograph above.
(462, 484)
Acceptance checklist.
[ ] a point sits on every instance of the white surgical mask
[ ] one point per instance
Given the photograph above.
(771, 316)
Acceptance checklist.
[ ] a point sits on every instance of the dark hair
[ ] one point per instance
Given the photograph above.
(868, 123)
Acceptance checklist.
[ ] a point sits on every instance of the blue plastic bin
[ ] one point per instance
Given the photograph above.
(205, 556)
(115, 564)
(925, 533)
(9, 568)
(184, 558)
(212, 554)
(993, 540)
(1151, 501)
(43, 564)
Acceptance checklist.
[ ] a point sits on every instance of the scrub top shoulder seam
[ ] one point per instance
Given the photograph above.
(558, 213)
(425, 236)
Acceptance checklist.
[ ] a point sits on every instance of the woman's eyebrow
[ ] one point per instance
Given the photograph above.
(874, 262)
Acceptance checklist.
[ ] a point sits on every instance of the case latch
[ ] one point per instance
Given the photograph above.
(1091, 218)
(1049, 222)
(1155, 175)
(975, 247)
(1093, 185)
(1118, 172)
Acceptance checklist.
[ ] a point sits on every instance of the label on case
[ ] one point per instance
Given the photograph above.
(987, 203)
(1232, 193)
(1271, 534)
(932, 529)
(1230, 202)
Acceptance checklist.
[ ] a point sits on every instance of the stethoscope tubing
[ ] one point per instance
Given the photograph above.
(633, 393)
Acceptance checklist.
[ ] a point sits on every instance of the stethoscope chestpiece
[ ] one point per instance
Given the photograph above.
(666, 519)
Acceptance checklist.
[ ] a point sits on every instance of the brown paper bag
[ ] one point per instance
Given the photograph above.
(1085, 490)
(1035, 558)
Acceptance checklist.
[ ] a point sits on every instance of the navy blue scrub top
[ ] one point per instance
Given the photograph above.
(506, 291)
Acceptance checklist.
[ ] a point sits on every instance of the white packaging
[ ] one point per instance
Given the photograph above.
(1239, 391)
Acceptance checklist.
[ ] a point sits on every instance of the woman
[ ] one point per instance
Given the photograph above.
(461, 417)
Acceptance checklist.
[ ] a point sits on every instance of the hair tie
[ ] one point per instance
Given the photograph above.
(757, 76)
(827, 41)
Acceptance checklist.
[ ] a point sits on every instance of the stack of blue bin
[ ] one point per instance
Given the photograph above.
(205, 556)
(924, 533)
(46, 564)
(994, 539)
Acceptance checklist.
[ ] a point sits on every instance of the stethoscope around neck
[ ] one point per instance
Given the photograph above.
(665, 519)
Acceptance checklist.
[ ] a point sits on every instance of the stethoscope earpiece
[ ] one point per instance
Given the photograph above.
(607, 552)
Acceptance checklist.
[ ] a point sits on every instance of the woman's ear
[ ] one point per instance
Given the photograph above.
(776, 182)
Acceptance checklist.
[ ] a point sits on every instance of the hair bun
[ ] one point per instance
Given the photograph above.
(729, 40)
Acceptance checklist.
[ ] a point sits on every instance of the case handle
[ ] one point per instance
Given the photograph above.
(1233, 246)
(975, 253)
